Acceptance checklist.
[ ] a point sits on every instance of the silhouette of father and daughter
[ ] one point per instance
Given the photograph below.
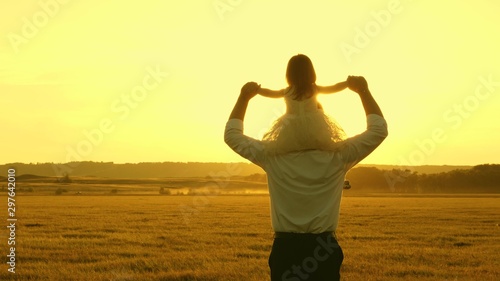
(306, 156)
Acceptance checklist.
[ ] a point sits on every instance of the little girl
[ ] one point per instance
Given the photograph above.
(304, 126)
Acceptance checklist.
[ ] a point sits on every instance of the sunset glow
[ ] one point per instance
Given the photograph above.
(154, 81)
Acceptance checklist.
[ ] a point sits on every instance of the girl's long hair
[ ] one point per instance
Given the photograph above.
(301, 76)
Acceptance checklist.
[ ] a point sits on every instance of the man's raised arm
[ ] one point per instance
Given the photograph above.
(358, 147)
(245, 146)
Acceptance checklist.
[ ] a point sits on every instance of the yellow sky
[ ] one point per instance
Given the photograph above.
(148, 81)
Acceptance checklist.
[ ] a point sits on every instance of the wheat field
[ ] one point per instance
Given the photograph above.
(229, 238)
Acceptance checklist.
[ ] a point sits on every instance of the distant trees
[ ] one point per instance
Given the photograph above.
(60, 191)
(164, 191)
(134, 170)
(256, 177)
(479, 179)
(65, 179)
(367, 178)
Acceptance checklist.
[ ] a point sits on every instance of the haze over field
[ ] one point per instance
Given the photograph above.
(238, 178)
(154, 81)
(169, 169)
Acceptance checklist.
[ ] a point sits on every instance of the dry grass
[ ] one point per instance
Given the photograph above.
(229, 238)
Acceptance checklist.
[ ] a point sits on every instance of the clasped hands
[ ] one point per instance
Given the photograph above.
(357, 84)
(250, 90)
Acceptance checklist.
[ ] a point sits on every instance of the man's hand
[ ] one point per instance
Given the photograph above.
(357, 84)
(249, 90)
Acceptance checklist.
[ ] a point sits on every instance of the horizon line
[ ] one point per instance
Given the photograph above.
(240, 162)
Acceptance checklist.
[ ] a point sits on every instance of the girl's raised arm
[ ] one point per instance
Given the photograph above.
(271, 93)
(332, 89)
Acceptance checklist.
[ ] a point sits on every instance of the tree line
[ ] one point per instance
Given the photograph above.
(478, 179)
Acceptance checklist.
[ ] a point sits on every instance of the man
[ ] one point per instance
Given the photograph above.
(305, 189)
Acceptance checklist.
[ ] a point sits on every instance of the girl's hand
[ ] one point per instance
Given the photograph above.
(249, 90)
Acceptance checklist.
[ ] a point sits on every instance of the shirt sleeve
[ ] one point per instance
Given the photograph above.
(245, 146)
(358, 147)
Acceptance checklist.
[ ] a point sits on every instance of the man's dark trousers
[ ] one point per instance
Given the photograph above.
(305, 256)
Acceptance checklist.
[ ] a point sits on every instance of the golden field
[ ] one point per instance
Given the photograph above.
(141, 237)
